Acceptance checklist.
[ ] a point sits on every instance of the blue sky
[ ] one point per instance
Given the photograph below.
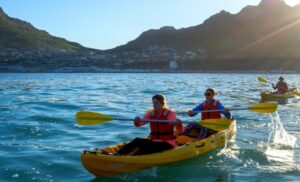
(105, 24)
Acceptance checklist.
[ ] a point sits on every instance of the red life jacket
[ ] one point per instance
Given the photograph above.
(281, 87)
(162, 131)
(210, 115)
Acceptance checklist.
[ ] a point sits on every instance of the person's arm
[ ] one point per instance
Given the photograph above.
(225, 111)
(286, 87)
(195, 110)
(138, 121)
(179, 126)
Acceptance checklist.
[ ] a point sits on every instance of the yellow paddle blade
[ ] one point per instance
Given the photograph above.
(216, 124)
(92, 118)
(295, 91)
(267, 108)
(261, 79)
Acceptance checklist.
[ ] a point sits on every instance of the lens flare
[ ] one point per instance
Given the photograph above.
(292, 2)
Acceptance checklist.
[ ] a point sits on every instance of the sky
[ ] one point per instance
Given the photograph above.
(105, 24)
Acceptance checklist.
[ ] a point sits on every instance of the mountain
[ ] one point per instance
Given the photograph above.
(255, 38)
(265, 37)
(24, 48)
(15, 33)
(223, 32)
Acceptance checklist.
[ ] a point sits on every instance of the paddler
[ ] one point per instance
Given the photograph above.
(198, 131)
(281, 86)
(162, 136)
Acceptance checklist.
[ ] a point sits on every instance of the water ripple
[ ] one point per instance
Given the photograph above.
(39, 131)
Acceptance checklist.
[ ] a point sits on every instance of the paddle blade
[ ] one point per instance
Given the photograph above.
(216, 124)
(265, 108)
(295, 91)
(261, 79)
(92, 118)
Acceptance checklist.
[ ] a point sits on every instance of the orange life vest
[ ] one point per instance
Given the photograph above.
(210, 115)
(162, 131)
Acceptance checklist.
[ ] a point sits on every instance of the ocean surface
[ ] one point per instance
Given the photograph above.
(40, 139)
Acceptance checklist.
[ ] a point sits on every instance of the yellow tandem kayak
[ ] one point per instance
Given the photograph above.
(99, 163)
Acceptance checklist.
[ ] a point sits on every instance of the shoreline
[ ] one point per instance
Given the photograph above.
(159, 72)
(94, 69)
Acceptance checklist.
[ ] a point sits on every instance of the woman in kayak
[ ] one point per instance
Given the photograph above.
(162, 136)
(281, 86)
(198, 131)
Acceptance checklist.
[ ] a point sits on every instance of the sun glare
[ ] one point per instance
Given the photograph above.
(292, 2)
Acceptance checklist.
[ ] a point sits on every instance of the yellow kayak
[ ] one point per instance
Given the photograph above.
(281, 98)
(100, 163)
(267, 95)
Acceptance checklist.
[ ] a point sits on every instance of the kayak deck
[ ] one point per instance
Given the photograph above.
(100, 163)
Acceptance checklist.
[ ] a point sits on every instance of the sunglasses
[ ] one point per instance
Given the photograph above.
(207, 94)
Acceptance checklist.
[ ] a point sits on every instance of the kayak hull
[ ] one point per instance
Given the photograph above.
(280, 98)
(107, 165)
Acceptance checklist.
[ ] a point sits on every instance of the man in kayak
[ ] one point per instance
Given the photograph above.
(281, 86)
(162, 136)
(198, 131)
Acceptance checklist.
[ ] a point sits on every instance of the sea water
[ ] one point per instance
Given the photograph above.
(41, 141)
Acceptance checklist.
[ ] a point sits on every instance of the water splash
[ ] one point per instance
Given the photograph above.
(280, 148)
(229, 150)
(277, 155)
(278, 137)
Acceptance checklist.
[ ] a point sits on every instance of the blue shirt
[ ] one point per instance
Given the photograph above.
(219, 107)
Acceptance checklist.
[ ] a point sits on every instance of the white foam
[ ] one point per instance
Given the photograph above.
(278, 137)
(280, 147)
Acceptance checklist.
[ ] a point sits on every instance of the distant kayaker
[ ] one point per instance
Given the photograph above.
(209, 104)
(162, 136)
(281, 86)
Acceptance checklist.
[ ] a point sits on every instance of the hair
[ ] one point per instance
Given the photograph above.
(161, 98)
(212, 91)
(281, 78)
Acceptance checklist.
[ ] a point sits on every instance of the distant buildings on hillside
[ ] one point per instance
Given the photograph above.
(173, 64)
(152, 57)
